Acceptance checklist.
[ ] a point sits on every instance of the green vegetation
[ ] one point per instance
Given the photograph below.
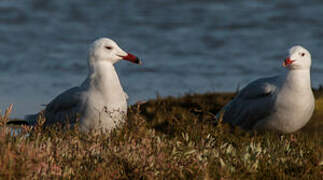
(170, 138)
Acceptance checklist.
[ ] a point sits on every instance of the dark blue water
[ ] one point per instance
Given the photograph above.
(186, 46)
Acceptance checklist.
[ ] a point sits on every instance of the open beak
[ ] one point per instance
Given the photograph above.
(287, 62)
(131, 58)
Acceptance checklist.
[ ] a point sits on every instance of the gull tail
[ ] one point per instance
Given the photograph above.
(29, 120)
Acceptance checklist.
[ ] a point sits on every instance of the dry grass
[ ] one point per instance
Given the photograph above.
(170, 138)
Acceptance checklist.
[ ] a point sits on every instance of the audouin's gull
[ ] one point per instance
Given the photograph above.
(284, 103)
(100, 100)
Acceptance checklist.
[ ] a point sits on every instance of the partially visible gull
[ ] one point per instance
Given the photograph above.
(284, 103)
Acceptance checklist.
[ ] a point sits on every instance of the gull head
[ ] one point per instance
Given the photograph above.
(299, 58)
(105, 49)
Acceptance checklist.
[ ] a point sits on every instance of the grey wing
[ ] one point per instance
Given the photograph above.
(253, 103)
(65, 100)
(65, 106)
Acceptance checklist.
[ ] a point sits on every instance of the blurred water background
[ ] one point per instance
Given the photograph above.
(187, 46)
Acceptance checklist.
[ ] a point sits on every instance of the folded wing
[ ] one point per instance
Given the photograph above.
(253, 103)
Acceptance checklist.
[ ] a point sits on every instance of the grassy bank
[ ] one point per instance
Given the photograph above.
(168, 138)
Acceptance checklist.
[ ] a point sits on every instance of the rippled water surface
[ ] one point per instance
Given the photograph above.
(186, 45)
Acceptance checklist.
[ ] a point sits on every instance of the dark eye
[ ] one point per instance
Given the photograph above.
(303, 54)
(108, 47)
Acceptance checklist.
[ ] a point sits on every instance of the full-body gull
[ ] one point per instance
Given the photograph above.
(100, 99)
(284, 103)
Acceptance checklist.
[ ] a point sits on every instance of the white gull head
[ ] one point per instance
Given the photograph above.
(299, 58)
(105, 49)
